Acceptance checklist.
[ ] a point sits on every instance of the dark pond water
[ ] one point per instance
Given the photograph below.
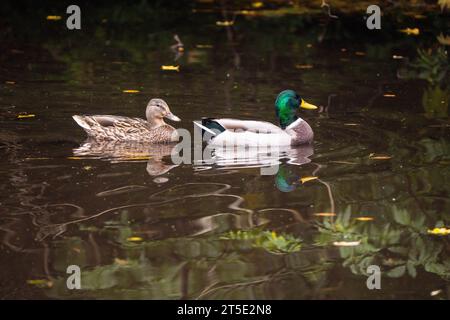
(141, 227)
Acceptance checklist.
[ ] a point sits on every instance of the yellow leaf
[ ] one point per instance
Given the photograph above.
(54, 18)
(306, 179)
(325, 214)
(170, 68)
(74, 158)
(130, 91)
(346, 243)
(87, 168)
(40, 283)
(224, 23)
(257, 4)
(389, 95)
(439, 231)
(135, 239)
(364, 218)
(411, 31)
(24, 116)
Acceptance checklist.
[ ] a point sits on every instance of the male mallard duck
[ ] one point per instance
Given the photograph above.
(152, 130)
(294, 130)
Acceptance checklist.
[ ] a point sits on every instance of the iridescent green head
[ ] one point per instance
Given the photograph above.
(286, 105)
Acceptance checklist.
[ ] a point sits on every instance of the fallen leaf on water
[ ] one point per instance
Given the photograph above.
(53, 18)
(389, 95)
(306, 179)
(257, 4)
(10, 82)
(224, 23)
(130, 91)
(373, 156)
(309, 45)
(87, 168)
(24, 116)
(120, 262)
(74, 158)
(397, 57)
(346, 243)
(364, 218)
(170, 68)
(77, 250)
(325, 214)
(411, 31)
(351, 124)
(304, 66)
(40, 283)
(439, 231)
(135, 239)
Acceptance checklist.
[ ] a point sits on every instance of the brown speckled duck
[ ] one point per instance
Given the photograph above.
(117, 128)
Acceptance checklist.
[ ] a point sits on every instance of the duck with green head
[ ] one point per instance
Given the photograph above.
(293, 130)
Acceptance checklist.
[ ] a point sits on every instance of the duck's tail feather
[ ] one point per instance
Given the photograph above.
(83, 122)
(210, 128)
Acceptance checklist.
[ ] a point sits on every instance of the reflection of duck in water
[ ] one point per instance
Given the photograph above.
(117, 151)
(117, 128)
(292, 131)
(286, 179)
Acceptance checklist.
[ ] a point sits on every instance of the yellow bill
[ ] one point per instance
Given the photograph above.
(306, 105)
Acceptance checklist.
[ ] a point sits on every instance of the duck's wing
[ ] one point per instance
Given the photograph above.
(112, 127)
(249, 125)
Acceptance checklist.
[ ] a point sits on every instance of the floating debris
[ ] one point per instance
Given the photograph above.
(410, 31)
(25, 115)
(87, 168)
(54, 18)
(397, 57)
(439, 231)
(74, 158)
(389, 95)
(225, 23)
(306, 179)
(347, 243)
(351, 124)
(170, 68)
(130, 91)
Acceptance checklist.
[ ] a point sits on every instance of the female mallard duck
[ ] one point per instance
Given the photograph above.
(116, 128)
(294, 130)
